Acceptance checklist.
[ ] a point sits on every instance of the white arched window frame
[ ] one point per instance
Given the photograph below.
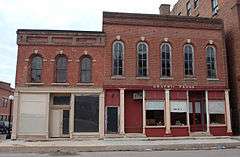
(188, 60)
(166, 60)
(142, 59)
(118, 58)
(211, 62)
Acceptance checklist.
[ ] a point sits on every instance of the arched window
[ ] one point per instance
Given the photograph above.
(118, 50)
(188, 60)
(211, 62)
(61, 69)
(86, 70)
(36, 69)
(166, 59)
(142, 54)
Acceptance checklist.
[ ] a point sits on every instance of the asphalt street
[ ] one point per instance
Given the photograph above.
(199, 153)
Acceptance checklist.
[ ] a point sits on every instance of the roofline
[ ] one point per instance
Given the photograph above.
(58, 31)
(107, 14)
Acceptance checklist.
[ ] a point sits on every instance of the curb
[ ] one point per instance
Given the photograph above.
(76, 149)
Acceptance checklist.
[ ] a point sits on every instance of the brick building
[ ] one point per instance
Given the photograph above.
(228, 11)
(148, 75)
(5, 92)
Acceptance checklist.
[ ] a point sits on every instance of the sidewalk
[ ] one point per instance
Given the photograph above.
(121, 144)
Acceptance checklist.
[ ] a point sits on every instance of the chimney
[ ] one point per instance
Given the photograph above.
(164, 9)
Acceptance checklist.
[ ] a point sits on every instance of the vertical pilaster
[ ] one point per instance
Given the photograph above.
(167, 112)
(15, 115)
(122, 130)
(144, 111)
(207, 112)
(101, 114)
(47, 115)
(227, 110)
(188, 119)
(71, 126)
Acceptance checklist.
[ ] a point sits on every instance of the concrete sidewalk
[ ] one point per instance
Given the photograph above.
(120, 144)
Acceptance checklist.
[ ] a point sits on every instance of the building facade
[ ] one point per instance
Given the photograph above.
(228, 11)
(5, 92)
(148, 75)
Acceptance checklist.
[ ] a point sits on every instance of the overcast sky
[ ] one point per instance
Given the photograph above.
(57, 14)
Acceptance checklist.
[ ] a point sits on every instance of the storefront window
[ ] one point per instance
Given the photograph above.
(155, 113)
(178, 113)
(217, 112)
(86, 113)
(61, 100)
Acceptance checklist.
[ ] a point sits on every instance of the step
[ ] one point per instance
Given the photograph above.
(199, 134)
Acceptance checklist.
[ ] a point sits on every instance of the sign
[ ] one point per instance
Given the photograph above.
(178, 106)
(155, 105)
(137, 96)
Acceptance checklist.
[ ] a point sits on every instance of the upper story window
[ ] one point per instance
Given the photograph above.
(188, 8)
(214, 7)
(86, 70)
(211, 62)
(188, 60)
(36, 69)
(142, 59)
(166, 60)
(118, 50)
(61, 69)
(196, 3)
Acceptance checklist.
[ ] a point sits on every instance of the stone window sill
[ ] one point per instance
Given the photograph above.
(60, 84)
(85, 84)
(212, 79)
(166, 78)
(154, 127)
(118, 77)
(179, 126)
(190, 78)
(142, 78)
(34, 83)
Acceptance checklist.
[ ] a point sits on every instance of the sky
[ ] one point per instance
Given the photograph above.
(57, 14)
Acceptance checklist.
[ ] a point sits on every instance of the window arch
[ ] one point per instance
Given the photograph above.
(166, 60)
(118, 51)
(86, 70)
(61, 69)
(188, 60)
(211, 62)
(36, 68)
(142, 59)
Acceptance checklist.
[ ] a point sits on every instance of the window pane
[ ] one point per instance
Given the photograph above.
(155, 117)
(178, 118)
(86, 114)
(36, 69)
(61, 69)
(61, 100)
(118, 58)
(86, 69)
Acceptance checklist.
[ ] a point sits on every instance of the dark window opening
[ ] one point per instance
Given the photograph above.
(211, 62)
(86, 114)
(166, 60)
(155, 117)
(214, 7)
(188, 8)
(217, 119)
(36, 69)
(118, 49)
(61, 69)
(86, 70)
(61, 100)
(196, 3)
(142, 51)
(188, 60)
(178, 118)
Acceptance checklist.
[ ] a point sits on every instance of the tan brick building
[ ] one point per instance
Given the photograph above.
(228, 11)
(150, 75)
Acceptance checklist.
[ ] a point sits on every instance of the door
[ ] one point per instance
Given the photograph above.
(112, 119)
(133, 114)
(55, 125)
(59, 125)
(197, 115)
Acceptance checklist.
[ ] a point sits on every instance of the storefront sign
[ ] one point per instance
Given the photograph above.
(178, 106)
(137, 96)
(173, 86)
(155, 105)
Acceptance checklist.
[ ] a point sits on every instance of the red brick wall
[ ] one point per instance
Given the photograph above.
(154, 36)
(5, 92)
(49, 53)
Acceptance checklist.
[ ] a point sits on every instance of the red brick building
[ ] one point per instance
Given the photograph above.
(228, 11)
(5, 92)
(150, 75)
